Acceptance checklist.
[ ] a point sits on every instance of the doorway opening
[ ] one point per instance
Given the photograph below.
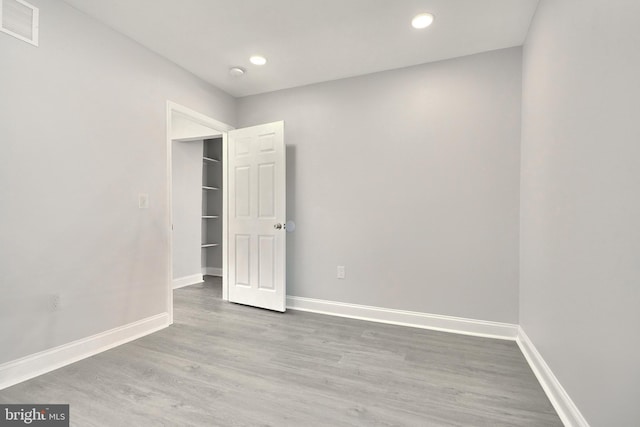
(196, 148)
(241, 214)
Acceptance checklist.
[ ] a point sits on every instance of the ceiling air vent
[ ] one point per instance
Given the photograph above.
(20, 19)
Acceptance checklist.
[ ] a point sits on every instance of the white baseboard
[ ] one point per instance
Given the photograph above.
(564, 406)
(414, 319)
(212, 271)
(187, 280)
(40, 363)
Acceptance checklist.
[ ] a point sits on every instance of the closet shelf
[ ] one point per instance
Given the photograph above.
(209, 160)
(205, 187)
(209, 245)
(210, 217)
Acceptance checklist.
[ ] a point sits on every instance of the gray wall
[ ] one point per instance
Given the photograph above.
(580, 268)
(186, 177)
(82, 133)
(410, 179)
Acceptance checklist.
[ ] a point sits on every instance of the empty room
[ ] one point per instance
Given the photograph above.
(320, 213)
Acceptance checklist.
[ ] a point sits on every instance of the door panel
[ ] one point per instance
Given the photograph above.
(257, 193)
(243, 259)
(266, 259)
(242, 194)
(266, 196)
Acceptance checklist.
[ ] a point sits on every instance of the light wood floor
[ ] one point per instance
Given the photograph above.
(223, 364)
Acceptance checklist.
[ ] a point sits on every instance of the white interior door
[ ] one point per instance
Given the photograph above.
(257, 214)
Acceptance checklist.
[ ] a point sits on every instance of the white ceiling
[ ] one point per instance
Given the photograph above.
(310, 41)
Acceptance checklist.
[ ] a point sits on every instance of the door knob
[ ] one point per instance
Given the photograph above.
(278, 226)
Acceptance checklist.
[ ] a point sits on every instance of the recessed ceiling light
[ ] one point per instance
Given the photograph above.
(236, 71)
(422, 20)
(258, 60)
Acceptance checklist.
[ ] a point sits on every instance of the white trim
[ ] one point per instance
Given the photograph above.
(212, 271)
(225, 216)
(564, 406)
(197, 117)
(187, 281)
(169, 184)
(40, 363)
(458, 325)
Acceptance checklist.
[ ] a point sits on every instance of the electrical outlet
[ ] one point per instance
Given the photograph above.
(340, 272)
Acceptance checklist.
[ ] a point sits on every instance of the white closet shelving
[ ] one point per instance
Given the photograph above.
(209, 160)
(212, 203)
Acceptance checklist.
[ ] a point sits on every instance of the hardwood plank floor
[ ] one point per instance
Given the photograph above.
(222, 364)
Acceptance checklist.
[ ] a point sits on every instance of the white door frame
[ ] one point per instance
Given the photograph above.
(219, 128)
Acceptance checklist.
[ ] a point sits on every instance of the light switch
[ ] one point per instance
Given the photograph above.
(143, 201)
(340, 272)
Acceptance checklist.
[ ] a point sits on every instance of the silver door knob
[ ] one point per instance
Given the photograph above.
(278, 226)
